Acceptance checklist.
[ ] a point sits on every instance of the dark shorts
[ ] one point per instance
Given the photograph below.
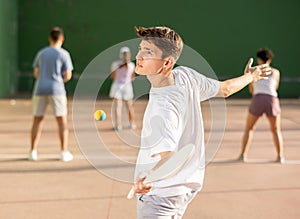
(264, 103)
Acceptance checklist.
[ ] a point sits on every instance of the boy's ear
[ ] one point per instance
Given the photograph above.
(62, 39)
(169, 62)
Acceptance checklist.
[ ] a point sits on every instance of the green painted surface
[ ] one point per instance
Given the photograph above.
(8, 47)
(225, 33)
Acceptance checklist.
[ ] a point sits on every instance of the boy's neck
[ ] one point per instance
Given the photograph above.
(161, 80)
(56, 45)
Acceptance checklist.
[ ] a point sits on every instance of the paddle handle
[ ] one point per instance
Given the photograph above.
(130, 193)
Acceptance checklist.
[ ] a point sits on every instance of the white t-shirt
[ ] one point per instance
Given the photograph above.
(123, 75)
(172, 120)
(267, 86)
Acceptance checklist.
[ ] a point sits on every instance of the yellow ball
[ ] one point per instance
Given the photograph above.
(99, 115)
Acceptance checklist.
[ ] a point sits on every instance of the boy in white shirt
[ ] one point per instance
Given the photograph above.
(173, 119)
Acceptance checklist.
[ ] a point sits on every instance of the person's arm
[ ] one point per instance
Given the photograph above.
(277, 78)
(251, 88)
(36, 72)
(232, 86)
(251, 74)
(67, 67)
(141, 188)
(67, 76)
(113, 75)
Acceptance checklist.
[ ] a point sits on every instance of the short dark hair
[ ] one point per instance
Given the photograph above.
(265, 54)
(56, 33)
(164, 38)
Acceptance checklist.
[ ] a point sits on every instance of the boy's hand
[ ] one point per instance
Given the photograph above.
(139, 187)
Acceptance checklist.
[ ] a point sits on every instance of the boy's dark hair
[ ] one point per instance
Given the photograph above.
(56, 33)
(164, 38)
(264, 54)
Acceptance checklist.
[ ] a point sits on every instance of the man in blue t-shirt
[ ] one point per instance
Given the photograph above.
(52, 68)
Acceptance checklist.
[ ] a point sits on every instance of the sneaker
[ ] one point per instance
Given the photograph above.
(241, 158)
(132, 126)
(280, 160)
(118, 128)
(66, 156)
(32, 155)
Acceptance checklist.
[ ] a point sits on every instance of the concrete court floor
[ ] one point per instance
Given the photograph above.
(49, 188)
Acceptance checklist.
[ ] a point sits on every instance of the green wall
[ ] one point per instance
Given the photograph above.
(8, 47)
(225, 33)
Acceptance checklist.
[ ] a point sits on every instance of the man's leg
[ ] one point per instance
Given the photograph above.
(60, 110)
(39, 104)
(36, 131)
(63, 132)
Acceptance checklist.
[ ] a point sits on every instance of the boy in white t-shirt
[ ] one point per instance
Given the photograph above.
(173, 119)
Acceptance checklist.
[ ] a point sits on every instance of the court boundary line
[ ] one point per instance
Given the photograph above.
(82, 157)
(252, 160)
(57, 156)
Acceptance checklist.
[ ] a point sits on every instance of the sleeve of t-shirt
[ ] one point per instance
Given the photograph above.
(67, 63)
(208, 87)
(114, 66)
(35, 63)
(167, 132)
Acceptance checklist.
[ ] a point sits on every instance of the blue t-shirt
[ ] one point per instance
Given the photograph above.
(52, 63)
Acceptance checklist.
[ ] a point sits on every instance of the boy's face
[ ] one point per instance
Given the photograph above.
(149, 59)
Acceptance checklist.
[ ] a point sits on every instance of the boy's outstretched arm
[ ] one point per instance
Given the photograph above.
(251, 74)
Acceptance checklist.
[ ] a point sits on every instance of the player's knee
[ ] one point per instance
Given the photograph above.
(274, 129)
(38, 118)
(250, 128)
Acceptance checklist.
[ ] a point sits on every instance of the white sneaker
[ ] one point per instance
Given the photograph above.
(32, 155)
(241, 158)
(118, 128)
(66, 156)
(132, 126)
(280, 160)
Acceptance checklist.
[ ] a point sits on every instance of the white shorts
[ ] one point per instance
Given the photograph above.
(155, 207)
(121, 91)
(58, 103)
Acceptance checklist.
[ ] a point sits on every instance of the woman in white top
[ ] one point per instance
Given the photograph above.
(264, 100)
(121, 89)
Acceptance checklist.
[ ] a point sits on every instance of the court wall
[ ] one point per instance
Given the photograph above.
(8, 47)
(225, 33)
